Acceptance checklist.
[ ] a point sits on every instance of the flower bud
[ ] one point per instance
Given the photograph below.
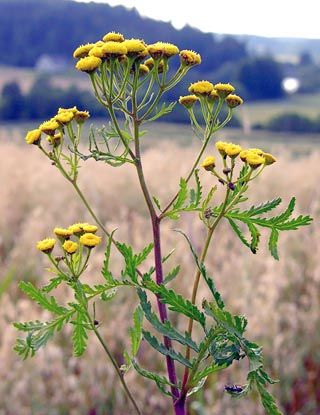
(209, 163)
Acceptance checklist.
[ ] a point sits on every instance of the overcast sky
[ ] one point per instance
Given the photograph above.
(275, 18)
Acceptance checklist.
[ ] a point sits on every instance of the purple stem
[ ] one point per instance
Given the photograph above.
(162, 307)
(180, 405)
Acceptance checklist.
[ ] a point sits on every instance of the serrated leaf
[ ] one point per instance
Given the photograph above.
(238, 232)
(182, 195)
(171, 275)
(273, 243)
(54, 283)
(136, 331)
(165, 328)
(207, 371)
(263, 207)
(79, 334)
(161, 348)
(142, 256)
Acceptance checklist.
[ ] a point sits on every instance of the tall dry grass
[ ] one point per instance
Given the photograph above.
(280, 299)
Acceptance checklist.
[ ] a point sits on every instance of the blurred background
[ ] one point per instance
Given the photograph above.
(271, 53)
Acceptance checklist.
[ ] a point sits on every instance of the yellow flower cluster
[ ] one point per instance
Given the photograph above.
(189, 58)
(84, 231)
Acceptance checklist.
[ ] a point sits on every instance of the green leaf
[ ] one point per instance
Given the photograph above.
(157, 203)
(47, 303)
(171, 275)
(273, 243)
(136, 331)
(207, 371)
(263, 207)
(79, 334)
(166, 329)
(182, 195)
(142, 256)
(267, 400)
(176, 302)
(54, 283)
(161, 348)
(238, 232)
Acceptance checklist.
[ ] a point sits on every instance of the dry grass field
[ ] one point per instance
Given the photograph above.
(280, 299)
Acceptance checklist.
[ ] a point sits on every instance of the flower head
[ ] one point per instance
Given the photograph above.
(88, 64)
(244, 153)
(46, 245)
(33, 136)
(234, 101)
(49, 127)
(188, 100)
(77, 228)
(161, 49)
(90, 228)
(224, 90)
(209, 163)
(83, 51)
(150, 64)
(143, 69)
(232, 150)
(135, 48)
(73, 110)
(201, 88)
(221, 146)
(64, 117)
(70, 247)
(189, 58)
(269, 158)
(113, 37)
(254, 160)
(81, 116)
(213, 96)
(90, 240)
(108, 50)
(62, 233)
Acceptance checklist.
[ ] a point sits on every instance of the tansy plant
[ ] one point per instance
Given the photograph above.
(130, 79)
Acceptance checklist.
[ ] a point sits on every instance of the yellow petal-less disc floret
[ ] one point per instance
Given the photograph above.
(202, 88)
(62, 233)
(113, 37)
(269, 158)
(209, 163)
(54, 140)
(161, 49)
(224, 89)
(150, 64)
(46, 245)
(232, 150)
(213, 96)
(90, 240)
(81, 116)
(220, 146)
(189, 58)
(70, 247)
(234, 101)
(88, 64)
(90, 228)
(73, 110)
(64, 117)
(49, 127)
(188, 100)
(108, 50)
(83, 51)
(143, 69)
(254, 160)
(33, 136)
(244, 153)
(77, 228)
(135, 47)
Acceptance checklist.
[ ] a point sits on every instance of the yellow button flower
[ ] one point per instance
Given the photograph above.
(209, 163)
(64, 117)
(224, 89)
(234, 101)
(269, 158)
(202, 88)
(33, 136)
(113, 37)
(220, 146)
(189, 58)
(254, 160)
(54, 140)
(244, 153)
(232, 150)
(108, 50)
(188, 100)
(88, 64)
(63, 233)
(90, 240)
(70, 247)
(143, 70)
(81, 116)
(135, 47)
(83, 51)
(73, 110)
(49, 127)
(77, 228)
(161, 49)
(46, 245)
(150, 64)
(213, 96)
(90, 228)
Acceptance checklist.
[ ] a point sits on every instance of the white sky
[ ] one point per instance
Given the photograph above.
(274, 18)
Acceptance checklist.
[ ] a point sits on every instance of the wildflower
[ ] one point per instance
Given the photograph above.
(89, 228)
(232, 150)
(77, 228)
(189, 58)
(46, 245)
(62, 233)
(33, 136)
(269, 158)
(55, 140)
(49, 127)
(161, 49)
(244, 153)
(202, 88)
(135, 48)
(143, 70)
(234, 101)
(99, 43)
(70, 247)
(209, 163)
(220, 146)
(213, 96)
(113, 37)
(254, 160)
(108, 50)
(83, 51)
(188, 100)
(81, 116)
(73, 110)
(90, 240)
(224, 89)
(88, 64)
(64, 117)
(150, 64)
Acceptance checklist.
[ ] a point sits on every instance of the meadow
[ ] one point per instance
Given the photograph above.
(280, 299)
